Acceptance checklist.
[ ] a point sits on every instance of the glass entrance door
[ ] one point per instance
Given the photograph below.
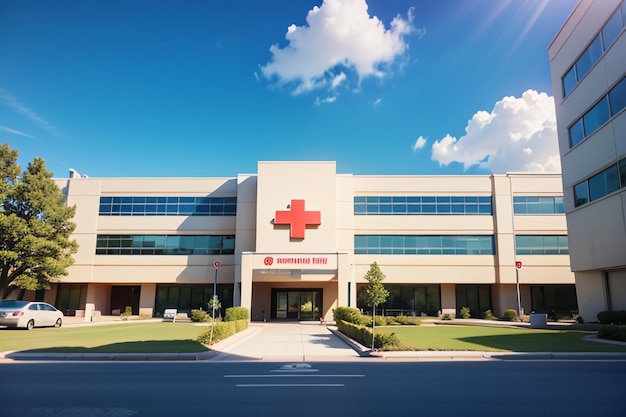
(296, 304)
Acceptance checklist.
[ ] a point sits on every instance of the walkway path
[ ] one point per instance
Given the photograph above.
(295, 341)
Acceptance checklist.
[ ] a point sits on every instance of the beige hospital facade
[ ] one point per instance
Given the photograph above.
(295, 239)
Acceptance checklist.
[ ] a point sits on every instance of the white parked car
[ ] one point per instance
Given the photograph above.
(29, 314)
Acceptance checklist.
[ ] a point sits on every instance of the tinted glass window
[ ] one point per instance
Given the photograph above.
(589, 57)
(576, 134)
(595, 117)
(603, 183)
(612, 28)
(617, 97)
(581, 194)
(569, 81)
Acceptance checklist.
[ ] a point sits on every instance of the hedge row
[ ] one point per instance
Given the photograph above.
(363, 335)
(223, 330)
(354, 316)
(612, 317)
(613, 332)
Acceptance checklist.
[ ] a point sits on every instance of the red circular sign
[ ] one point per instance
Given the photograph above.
(268, 260)
(518, 264)
(217, 264)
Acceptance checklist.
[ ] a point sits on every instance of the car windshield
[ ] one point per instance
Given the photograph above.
(12, 303)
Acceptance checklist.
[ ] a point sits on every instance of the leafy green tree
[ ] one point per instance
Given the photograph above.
(35, 226)
(375, 293)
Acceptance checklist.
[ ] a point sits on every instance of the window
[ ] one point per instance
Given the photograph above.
(168, 206)
(617, 97)
(611, 30)
(569, 80)
(165, 245)
(609, 180)
(423, 205)
(603, 183)
(538, 205)
(541, 245)
(424, 244)
(596, 116)
(599, 114)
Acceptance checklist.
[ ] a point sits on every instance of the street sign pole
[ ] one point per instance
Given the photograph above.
(518, 266)
(216, 266)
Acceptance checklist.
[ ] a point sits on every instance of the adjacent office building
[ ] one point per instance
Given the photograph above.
(295, 239)
(588, 65)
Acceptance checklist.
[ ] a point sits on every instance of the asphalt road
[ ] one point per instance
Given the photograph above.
(363, 388)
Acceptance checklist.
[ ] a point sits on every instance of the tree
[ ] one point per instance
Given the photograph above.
(35, 226)
(375, 293)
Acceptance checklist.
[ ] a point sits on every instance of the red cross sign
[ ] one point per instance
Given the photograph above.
(298, 219)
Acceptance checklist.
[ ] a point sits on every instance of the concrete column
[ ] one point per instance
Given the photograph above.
(246, 281)
(448, 299)
(147, 298)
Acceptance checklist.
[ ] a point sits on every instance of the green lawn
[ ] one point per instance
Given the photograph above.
(116, 338)
(495, 339)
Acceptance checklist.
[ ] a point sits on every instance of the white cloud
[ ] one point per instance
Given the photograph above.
(15, 132)
(338, 80)
(339, 33)
(419, 143)
(519, 134)
(378, 102)
(319, 101)
(30, 114)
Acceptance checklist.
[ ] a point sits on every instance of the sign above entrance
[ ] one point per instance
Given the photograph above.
(297, 219)
(308, 261)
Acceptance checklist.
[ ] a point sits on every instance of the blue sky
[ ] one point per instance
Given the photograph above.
(202, 88)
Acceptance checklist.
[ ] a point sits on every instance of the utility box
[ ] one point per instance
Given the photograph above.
(538, 321)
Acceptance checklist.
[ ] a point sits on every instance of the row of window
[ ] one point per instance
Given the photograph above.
(603, 183)
(429, 205)
(600, 113)
(594, 51)
(541, 245)
(165, 245)
(398, 205)
(456, 245)
(424, 244)
(363, 244)
(538, 205)
(168, 206)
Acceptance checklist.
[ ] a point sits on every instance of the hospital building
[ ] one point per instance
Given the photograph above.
(295, 239)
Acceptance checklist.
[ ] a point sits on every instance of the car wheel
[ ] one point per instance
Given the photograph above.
(58, 323)
(30, 324)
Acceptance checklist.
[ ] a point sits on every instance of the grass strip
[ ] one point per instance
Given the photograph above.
(494, 339)
(114, 338)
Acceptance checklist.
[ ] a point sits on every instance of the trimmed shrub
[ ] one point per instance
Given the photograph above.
(612, 317)
(200, 316)
(349, 314)
(446, 317)
(363, 335)
(510, 315)
(222, 330)
(613, 332)
(465, 313)
(127, 313)
(236, 313)
(407, 320)
(488, 315)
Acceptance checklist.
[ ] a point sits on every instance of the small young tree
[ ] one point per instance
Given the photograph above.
(375, 292)
(214, 303)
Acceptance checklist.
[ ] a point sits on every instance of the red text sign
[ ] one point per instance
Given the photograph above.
(518, 264)
(298, 219)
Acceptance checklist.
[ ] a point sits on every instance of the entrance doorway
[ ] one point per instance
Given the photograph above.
(123, 296)
(296, 304)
